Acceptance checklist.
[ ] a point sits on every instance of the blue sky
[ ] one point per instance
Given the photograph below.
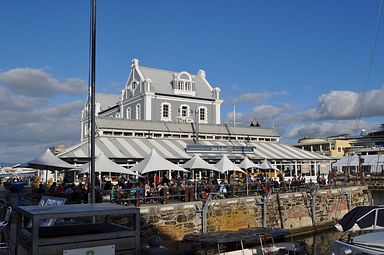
(297, 65)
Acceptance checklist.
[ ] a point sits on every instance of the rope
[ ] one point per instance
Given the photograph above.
(363, 95)
(369, 71)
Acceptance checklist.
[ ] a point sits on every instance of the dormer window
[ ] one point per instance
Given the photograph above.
(183, 84)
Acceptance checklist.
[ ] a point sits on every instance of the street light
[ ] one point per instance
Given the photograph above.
(195, 114)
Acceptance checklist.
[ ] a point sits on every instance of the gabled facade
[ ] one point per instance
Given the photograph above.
(159, 95)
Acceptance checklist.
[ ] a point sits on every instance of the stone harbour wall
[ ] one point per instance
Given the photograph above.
(234, 214)
(293, 211)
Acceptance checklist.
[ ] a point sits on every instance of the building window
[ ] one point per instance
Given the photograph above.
(203, 114)
(85, 130)
(138, 112)
(187, 85)
(184, 110)
(180, 85)
(165, 112)
(129, 113)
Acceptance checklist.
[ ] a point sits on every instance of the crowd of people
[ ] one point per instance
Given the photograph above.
(155, 188)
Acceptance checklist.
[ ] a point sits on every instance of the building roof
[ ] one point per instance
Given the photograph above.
(106, 100)
(175, 149)
(179, 127)
(162, 82)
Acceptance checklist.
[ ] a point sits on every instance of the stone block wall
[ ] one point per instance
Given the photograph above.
(172, 221)
(234, 214)
(291, 211)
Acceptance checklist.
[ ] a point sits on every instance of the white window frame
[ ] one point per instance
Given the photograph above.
(180, 85)
(169, 117)
(205, 120)
(187, 85)
(184, 84)
(129, 113)
(187, 111)
(138, 111)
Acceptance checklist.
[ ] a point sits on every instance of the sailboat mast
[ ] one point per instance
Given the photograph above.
(93, 102)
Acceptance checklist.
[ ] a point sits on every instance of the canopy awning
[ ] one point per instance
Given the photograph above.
(173, 149)
(225, 165)
(47, 161)
(154, 162)
(197, 163)
(104, 164)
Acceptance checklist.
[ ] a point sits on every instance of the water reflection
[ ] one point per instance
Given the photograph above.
(320, 243)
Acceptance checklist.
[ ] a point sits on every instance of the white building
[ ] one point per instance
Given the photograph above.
(178, 113)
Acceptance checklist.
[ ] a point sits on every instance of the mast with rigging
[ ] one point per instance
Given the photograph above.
(92, 103)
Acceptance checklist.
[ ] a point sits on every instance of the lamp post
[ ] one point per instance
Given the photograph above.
(196, 123)
(195, 114)
(361, 169)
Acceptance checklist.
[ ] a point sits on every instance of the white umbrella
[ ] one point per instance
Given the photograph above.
(198, 163)
(373, 160)
(246, 164)
(225, 165)
(47, 161)
(155, 162)
(266, 165)
(350, 160)
(104, 164)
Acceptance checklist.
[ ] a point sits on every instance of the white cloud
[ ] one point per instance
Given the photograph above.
(256, 97)
(328, 128)
(30, 121)
(336, 113)
(344, 105)
(9, 101)
(249, 98)
(240, 117)
(38, 83)
(266, 112)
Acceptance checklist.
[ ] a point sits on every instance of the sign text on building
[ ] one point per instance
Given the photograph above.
(219, 149)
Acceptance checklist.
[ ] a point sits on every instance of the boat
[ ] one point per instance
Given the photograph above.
(364, 227)
(268, 241)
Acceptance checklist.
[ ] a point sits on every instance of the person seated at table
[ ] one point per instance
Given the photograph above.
(223, 187)
(118, 193)
(122, 182)
(52, 188)
(259, 187)
(59, 189)
(147, 188)
(41, 189)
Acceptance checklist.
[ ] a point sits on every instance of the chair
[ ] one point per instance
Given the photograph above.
(5, 242)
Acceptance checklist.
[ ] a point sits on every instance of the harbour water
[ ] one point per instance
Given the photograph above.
(320, 243)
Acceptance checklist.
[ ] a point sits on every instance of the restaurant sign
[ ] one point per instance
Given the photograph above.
(200, 148)
(99, 250)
